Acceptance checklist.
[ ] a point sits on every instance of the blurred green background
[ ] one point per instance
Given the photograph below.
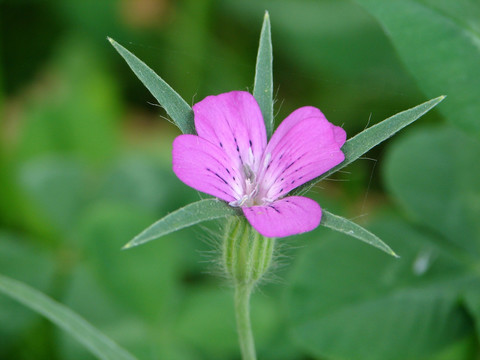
(85, 165)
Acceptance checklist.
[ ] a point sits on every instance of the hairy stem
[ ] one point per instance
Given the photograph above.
(244, 326)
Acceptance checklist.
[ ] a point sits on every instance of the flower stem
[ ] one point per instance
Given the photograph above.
(244, 326)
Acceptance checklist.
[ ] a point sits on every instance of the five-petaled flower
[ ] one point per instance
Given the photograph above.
(231, 160)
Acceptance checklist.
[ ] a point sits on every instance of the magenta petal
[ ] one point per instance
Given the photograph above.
(205, 167)
(285, 217)
(305, 112)
(234, 122)
(340, 135)
(308, 149)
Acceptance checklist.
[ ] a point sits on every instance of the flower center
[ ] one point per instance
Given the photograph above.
(250, 190)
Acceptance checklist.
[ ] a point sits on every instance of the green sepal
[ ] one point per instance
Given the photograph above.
(247, 254)
(263, 88)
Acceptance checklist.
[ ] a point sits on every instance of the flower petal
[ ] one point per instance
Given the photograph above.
(288, 216)
(299, 151)
(205, 167)
(305, 112)
(234, 122)
(340, 135)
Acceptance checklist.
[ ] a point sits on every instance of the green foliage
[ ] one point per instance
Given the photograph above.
(263, 88)
(94, 340)
(203, 210)
(14, 253)
(350, 228)
(416, 297)
(208, 316)
(58, 186)
(403, 309)
(449, 207)
(331, 54)
(371, 137)
(450, 30)
(176, 107)
(77, 112)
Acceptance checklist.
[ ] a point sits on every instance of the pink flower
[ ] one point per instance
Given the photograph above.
(231, 160)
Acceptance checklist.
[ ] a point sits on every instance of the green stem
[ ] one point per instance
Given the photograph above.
(244, 327)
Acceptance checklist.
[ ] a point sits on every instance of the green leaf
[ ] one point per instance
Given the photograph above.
(15, 253)
(348, 227)
(439, 42)
(434, 175)
(210, 209)
(371, 137)
(263, 88)
(203, 210)
(65, 318)
(346, 301)
(180, 112)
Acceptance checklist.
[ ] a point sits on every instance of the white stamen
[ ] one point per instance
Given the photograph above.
(248, 195)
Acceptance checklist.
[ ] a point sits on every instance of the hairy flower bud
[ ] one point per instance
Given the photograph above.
(247, 255)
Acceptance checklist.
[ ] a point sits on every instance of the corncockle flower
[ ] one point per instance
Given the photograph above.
(231, 160)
